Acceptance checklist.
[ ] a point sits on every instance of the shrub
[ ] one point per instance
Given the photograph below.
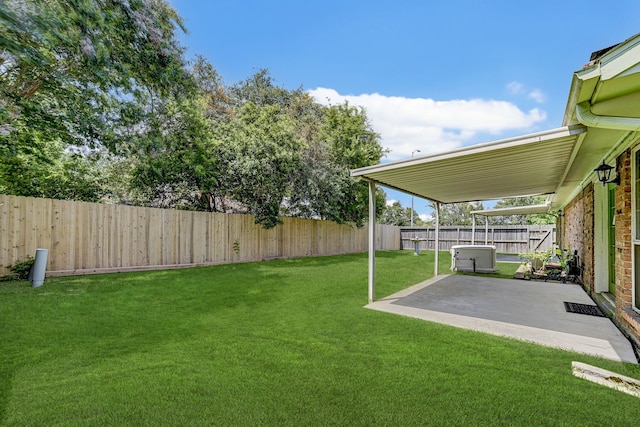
(20, 270)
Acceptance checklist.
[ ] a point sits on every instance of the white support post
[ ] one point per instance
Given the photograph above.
(372, 241)
(486, 230)
(437, 243)
(473, 229)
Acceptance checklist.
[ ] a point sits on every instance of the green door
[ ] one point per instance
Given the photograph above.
(612, 238)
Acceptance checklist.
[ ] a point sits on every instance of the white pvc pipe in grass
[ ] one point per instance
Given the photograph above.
(39, 268)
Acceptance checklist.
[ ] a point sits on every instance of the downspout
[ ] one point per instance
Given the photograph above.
(560, 228)
(587, 118)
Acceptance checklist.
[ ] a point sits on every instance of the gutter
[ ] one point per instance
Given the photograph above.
(574, 93)
(587, 118)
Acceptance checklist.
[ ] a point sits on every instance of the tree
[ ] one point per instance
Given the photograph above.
(350, 137)
(209, 85)
(458, 213)
(324, 188)
(108, 77)
(333, 140)
(256, 148)
(50, 170)
(395, 214)
(182, 157)
(261, 90)
(87, 60)
(265, 151)
(177, 160)
(86, 73)
(318, 185)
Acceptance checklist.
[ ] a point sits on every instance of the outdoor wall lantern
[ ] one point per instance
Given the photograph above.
(604, 174)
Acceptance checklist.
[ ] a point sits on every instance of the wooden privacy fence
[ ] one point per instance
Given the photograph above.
(512, 239)
(85, 238)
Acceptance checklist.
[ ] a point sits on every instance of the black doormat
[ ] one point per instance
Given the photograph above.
(591, 310)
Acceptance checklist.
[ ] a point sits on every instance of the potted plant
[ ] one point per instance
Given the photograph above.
(535, 261)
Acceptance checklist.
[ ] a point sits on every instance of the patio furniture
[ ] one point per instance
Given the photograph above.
(574, 272)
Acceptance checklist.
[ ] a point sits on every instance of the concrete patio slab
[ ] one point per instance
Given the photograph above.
(527, 310)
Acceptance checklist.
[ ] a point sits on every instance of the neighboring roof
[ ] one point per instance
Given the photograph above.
(595, 56)
(514, 210)
(528, 165)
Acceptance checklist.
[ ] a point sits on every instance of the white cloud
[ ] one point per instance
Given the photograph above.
(426, 217)
(408, 124)
(537, 96)
(515, 87)
(391, 202)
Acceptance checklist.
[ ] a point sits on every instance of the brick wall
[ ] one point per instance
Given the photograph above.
(625, 316)
(588, 254)
(624, 277)
(579, 225)
(573, 224)
(578, 232)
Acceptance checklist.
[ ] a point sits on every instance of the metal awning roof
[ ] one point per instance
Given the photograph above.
(515, 210)
(527, 165)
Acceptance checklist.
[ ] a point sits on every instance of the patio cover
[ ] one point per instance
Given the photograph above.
(514, 210)
(527, 165)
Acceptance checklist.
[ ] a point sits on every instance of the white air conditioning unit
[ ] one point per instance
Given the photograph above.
(474, 258)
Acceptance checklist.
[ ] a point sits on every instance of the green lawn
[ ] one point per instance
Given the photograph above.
(274, 343)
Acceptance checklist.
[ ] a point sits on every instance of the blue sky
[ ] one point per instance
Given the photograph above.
(433, 75)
